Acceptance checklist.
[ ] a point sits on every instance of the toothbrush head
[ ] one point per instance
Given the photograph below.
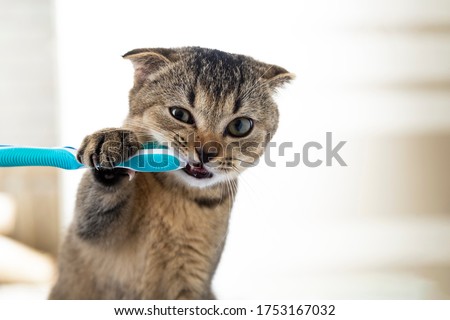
(153, 160)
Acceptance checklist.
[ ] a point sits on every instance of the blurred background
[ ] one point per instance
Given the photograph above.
(376, 73)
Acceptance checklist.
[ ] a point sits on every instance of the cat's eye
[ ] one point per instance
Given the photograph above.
(182, 115)
(240, 127)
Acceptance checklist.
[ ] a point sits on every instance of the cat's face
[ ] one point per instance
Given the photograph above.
(213, 107)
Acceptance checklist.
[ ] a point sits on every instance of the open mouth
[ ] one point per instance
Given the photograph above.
(197, 171)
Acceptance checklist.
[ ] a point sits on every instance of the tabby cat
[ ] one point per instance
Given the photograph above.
(161, 235)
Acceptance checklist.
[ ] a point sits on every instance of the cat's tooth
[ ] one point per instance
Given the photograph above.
(131, 174)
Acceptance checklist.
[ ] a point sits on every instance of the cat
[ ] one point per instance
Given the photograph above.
(161, 235)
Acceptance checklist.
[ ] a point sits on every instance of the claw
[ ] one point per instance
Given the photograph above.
(95, 162)
(131, 174)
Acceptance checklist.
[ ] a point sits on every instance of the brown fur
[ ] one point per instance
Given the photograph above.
(161, 235)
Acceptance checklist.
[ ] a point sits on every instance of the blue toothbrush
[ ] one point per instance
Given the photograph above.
(153, 158)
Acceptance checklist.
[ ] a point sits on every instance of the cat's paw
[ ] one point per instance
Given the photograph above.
(108, 147)
(105, 149)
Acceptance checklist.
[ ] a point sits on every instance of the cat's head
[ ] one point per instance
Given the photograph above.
(214, 107)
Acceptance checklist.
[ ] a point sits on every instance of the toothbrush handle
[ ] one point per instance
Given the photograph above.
(13, 156)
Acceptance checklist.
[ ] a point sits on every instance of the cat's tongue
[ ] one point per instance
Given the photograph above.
(198, 172)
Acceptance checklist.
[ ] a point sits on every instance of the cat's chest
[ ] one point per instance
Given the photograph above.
(169, 236)
(165, 215)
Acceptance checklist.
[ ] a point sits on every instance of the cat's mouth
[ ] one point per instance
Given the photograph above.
(197, 171)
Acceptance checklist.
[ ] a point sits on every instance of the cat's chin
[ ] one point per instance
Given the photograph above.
(202, 181)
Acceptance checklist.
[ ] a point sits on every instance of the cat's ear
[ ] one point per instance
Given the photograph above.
(276, 76)
(148, 61)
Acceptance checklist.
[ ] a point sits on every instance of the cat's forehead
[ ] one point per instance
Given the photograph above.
(216, 76)
(217, 71)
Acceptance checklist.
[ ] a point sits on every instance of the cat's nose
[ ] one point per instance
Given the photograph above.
(207, 154)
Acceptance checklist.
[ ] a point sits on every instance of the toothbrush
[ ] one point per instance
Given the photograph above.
(153, 158)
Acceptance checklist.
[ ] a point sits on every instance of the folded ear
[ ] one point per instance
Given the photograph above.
(276, 76)
(148, 61)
